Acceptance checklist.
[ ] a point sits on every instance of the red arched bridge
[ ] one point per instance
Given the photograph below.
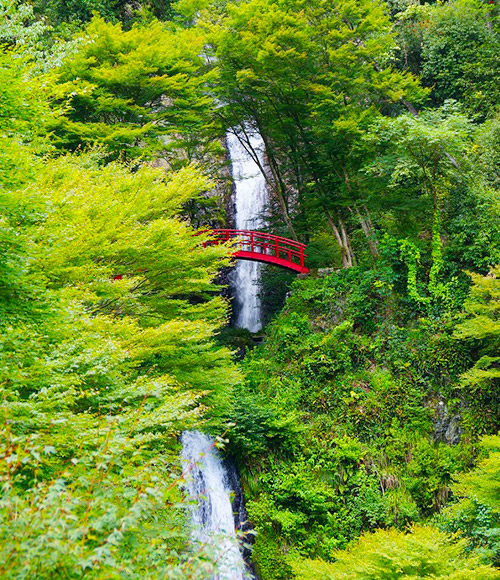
(262, 247)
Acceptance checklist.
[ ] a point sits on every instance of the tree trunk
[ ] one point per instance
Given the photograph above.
(340, 232)
(276, 184)
(364, 220)
(367, 226)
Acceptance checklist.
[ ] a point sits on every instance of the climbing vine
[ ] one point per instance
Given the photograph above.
(410, 254)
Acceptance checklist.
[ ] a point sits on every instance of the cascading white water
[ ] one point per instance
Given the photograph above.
(250, 199)
(208, 486)
(207, 478)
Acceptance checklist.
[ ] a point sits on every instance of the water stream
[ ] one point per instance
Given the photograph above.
(250, 198)
(210, 482)
(208, 485)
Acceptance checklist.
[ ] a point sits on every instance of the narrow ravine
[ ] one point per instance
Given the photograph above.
(208, 481)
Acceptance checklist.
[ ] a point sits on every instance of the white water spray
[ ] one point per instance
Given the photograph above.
(250, 201)
(207, 485)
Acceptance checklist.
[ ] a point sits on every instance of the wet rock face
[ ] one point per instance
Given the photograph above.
(241, 522)
(229, 197)
(447, 425)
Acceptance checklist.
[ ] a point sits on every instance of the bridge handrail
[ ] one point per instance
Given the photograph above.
(246, 233)
(261, 246)
(264, 242)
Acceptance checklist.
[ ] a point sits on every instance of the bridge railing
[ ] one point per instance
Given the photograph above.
(262, 243)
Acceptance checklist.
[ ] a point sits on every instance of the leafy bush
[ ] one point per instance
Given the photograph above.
(387, 555)
(475, 515)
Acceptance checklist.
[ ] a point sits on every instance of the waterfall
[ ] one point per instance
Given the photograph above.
(250, 197)
(208, 486)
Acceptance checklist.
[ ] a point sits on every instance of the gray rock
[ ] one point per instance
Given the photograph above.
(447, 425)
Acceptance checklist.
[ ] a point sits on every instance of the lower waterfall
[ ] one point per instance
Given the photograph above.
(208, 486)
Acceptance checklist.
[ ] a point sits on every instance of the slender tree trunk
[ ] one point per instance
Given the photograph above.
(279, 189)
(367, 227)
(340, 233)
(347, 244)
(276, 185)
(364, 220)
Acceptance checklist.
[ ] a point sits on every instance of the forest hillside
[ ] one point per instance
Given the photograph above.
(363, 416)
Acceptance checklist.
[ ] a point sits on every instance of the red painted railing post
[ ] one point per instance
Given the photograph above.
(277, 248)
(251, 242)
(302, 256)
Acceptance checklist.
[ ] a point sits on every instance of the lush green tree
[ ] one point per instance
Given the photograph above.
(475, 515)
(105, 372)
(422, 163)
(139, 93)
(473, 222)
(18, 24)
(22, 120)
(310, 77)
(423, 155)
(64, 13)
(438, 184)
(458, 36)
(454, 46)
(108, 316)
(482, 327)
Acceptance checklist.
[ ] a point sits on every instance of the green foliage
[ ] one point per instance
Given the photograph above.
(341, 437)
(103, 379)
(439, 192)
(482, 326)
(267, 553)
(74, 12)
(425, 156)
(108, 317)
(483, 483)
(458, 37)
(386, 555)
(18, 24)
(453, 45)
(476, 515)
(274, 286)
(22, 120)
(139, 93)
(439, 295)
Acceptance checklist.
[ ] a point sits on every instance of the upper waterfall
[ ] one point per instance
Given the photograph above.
(250, 198)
